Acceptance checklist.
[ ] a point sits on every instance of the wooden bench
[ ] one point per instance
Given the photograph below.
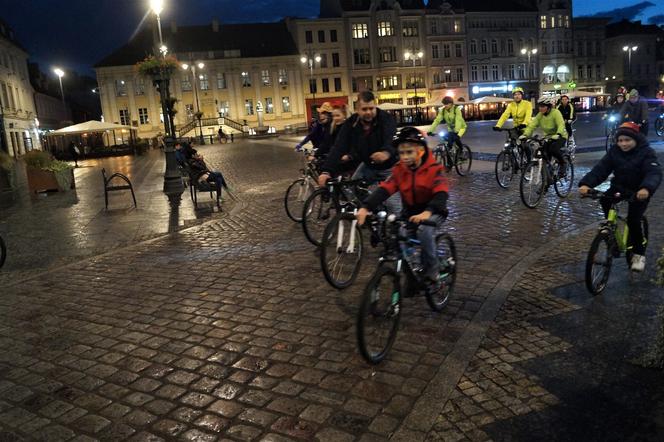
(108, 187)
(196, 186)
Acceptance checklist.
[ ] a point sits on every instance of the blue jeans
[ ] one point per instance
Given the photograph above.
(217, 178)
(427, 237)
(373, 176)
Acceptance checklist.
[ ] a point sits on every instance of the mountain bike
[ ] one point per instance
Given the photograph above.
(543, 171)
(380, 309)
(451, 154)
(512, 159)
(611, 240)
(300, 189)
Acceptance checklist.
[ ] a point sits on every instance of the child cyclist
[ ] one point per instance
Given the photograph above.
(423, 187)
(636, 172)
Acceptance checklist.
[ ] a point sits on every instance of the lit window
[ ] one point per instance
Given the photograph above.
(360, 30)
(385, 29)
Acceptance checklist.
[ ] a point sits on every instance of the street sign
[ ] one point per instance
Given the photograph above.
(571, 85)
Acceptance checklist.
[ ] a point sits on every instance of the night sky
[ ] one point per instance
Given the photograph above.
(75, 34)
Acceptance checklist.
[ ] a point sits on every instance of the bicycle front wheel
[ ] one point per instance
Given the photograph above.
(341, 252)
(378, 318)
(610, 140)
(319, 209)
(446, 252)
(659, 126)
(3, 252)
(531, 186)
(463, 160)
(563, 185)
(598, 262)
(296, 195)
(505, 168)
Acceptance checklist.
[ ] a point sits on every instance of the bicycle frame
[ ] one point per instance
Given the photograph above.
(619, 228)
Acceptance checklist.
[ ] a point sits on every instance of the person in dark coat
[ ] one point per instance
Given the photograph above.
(74, 153)
(635, 109)
(317, 128)
(637, 172)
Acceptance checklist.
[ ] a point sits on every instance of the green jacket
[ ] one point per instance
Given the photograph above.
(551, 124)
(453, 118)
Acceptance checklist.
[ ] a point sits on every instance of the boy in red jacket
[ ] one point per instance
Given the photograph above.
(423, 187)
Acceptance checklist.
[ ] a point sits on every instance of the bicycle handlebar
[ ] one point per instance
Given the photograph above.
(598, 194)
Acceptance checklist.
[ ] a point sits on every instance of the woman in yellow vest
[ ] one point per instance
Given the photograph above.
(452, 116)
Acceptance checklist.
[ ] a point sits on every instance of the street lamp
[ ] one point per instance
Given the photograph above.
(157, 6)
(414, 57)
(308, 60)
(629, 50)
(60, 73)
(193, 67)
(529, 53)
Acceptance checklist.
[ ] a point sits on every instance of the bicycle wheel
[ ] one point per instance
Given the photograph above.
(378, 318)
(563, 186)
(505, 168)
(296, 195)
(463, 160)
(598, 262)
(446, 251)
(659, 126)
(629, 253)
(318, 210)
(610, 140)
(532, 185)
(3, 252)
(341, 252)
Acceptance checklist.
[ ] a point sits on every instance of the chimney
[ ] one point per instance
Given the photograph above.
(174, 27)
(215, 25)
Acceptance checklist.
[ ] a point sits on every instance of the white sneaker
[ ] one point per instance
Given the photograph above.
(638, 263)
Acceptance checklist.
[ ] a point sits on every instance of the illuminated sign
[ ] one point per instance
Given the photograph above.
(501, 88)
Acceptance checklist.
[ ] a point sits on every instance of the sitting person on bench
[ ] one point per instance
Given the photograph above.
(200, 172)
(184, 153)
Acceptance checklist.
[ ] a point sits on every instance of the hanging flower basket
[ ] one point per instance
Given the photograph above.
(158, 68)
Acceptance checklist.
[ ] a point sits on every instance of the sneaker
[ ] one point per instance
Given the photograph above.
(638, 263)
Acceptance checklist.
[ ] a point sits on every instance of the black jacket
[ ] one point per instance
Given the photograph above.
(633, 170)
(637, 112)
(327, 140)
(353, 141)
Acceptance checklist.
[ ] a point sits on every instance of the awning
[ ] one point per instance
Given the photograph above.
(490, 99)
(394, 106)
(89, 126)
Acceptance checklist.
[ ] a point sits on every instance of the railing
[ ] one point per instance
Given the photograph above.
(187, 127)
(193, 124)
(231, 123)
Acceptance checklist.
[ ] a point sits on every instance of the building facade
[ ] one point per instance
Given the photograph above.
(18, 118)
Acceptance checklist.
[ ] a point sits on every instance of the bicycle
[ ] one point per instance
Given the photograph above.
(512, 159)
(541, 172)
(451, 154)
(3, 252)
(611, 136)
(659, 125)
(613, 239)
(381, 302)
(300, 189)
(570, 144)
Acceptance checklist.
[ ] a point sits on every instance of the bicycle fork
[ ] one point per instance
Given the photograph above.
(340, 236)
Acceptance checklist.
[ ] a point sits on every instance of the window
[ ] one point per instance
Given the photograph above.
(333, 35)
(361, 56)
(323, 60)
(485, 72)
(265, 77)
(285, 104)
(510, 46)
(542, 21)
(337, 84)
(5, 97)
(473, 73)
(249, 107)
(246, 80)
(458, 52)
(562, 73)
(313, 86)
(360, 30)
(283, 77)
(321, 36)
(579, 48)
(560, 21)
(221, 80)
(545, 47)
(385, 29)
(520, 71)
(326, 85)
(308, 36)
(387, 82)
(567, 21)
(598, 71)
(560, 46)
(388, 54)
(335, 60)
(189, 109)
(120, 88)
(448, 75)
(589, 72)
(446, 50)
(224, 108)
(269, 105)
(494, 72)
(494, 47)
(186, 83)
(589, 48)
(459, 74)
(143, 115)
(124, 117)
(553, 22)
(434, 27)
(598, 48)
(362, 83)
(457, 26)
(140, 86)
(483, 47)
(437, 78)
(473, 47)
(203, 82)
(580, 71)
(435, 52)
(415, 79)
(410, 29)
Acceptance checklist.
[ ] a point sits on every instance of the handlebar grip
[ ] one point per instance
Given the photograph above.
(348, 216)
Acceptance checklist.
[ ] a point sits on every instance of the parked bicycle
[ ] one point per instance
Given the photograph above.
(542, 172)
(300, 189)
(380, 309)
(512, 159)
(451, 154)
(611, 241)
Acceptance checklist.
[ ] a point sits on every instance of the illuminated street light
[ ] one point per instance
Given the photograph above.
(60, 73)
(308, 60)
(193, 67)
(629, 50)
(414, 57)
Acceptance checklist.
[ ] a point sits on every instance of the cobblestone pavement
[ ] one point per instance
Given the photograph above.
(228, 330)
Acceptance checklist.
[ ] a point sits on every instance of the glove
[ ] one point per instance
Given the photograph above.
(522, 137)
(430, 134)
(496, 128)
(555, 137)
(298, 148)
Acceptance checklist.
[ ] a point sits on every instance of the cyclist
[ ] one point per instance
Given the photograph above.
(636, 109)
(318, 128)
(567, 111)
(618, 103)
(423, 187)
(551, 122)
(636, 170)
(520, 110)
(451, 115)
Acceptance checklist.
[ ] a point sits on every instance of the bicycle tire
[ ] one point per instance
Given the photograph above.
(463, 157)
(505, 168)
(529, 178)
(629, 253)
(659, 126)
(330, 263)
(323, 213)
(564, 189)
(3, 252)
(610, 141)
(448, 271)
(596, 285)
(293, 211)
(369, 308)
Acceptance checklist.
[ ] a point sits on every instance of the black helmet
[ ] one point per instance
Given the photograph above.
(409, 134)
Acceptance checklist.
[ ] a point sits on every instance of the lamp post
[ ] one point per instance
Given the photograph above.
(529, 53)
(308, 60)
(193, 67)
(629, 50)
(60, 73)
(414, 57)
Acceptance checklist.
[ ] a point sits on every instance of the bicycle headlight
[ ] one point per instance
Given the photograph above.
(612, 118)
(442, 134)
(507, 144)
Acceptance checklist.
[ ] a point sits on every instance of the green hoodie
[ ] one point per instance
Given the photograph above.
(551, 124)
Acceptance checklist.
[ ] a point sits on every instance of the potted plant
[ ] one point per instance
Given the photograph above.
(7, 175)
(157, 67)
(46, 173)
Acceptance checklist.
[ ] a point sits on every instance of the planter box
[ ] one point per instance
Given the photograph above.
(43, 180)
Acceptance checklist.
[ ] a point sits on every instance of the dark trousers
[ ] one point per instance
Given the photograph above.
(218, 179)
(635, 212)
(553, 148)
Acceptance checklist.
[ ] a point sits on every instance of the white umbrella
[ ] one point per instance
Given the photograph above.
(394, 106)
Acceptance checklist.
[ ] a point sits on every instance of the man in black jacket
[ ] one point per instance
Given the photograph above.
(367, 138)
(636, 172)
(636, 109)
